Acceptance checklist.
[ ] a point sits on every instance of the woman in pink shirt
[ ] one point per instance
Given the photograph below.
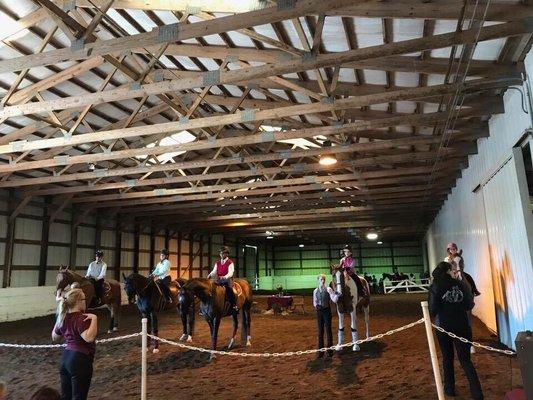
(79, 332)
(348, 264)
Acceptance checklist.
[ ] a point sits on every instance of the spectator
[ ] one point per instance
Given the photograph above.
(449, 301)
(46, 393)
(79, 332)
(321, 298)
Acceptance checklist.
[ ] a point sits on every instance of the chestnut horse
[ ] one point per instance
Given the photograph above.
(214, 306)
(151, 300)
(111, 296)
(348, 303)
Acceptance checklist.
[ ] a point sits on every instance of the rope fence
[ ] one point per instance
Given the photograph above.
(145, 335)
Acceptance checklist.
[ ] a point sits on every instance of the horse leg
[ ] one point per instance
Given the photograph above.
(246, 323)
(367, 320)
(340, 333)
(111, 319)
(214, 325)
(155, 331)
(353, 327)
(235, 321)
(184, 322)
(116, 315)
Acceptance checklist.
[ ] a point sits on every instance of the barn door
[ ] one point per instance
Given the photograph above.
(508, 219)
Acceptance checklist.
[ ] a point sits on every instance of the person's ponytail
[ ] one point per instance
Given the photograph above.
(69, 298)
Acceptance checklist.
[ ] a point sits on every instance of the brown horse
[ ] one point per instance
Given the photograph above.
(150, 300)
(111, 297)
(214, 306)
(349, 302)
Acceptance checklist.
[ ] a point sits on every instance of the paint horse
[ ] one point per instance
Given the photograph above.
(348, 303)
(151, 299)
(111, 297)
(214, 306)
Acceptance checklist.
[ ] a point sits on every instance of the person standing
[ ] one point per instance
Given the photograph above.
(450, 300)
(321, 298)
(78, 329)
(96, 273)
(161, 274)
(223, 272)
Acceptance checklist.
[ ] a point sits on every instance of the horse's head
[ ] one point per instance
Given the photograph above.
(63, 279)
(130, 288)
(337, 275)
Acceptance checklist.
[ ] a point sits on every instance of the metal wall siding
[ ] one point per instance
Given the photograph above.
(127, 240)
(144, 242)
(26, 254)
(107, 239)
(28, 229)
(59, 233)
(3, 226)
(24, 278)
(57, 256)
(86, 235)
(84, 257)
(126, 261)
(159, 243)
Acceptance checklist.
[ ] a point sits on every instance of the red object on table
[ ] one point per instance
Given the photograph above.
(282, 301)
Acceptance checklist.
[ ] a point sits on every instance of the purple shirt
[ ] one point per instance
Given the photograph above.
(348, 262)
(73, 326)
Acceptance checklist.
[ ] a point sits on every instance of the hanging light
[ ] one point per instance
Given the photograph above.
(371, 236)
(328, 158)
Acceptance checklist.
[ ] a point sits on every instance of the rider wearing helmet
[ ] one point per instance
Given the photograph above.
(223, 272)
(161, 274)
(96, 273)
(348, 264)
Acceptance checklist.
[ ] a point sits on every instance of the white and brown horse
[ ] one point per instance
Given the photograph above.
(111, 297)
(350, 300)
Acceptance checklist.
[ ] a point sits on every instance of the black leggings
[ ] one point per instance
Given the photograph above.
(447, 344)
(75, 373)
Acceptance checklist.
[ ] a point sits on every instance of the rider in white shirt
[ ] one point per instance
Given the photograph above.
(96, 273)
(161, 273)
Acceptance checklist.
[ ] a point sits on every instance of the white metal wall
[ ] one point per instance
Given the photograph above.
(462, 219)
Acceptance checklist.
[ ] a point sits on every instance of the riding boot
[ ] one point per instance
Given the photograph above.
(340, 338)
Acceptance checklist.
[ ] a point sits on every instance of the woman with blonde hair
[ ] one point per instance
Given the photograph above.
(79, 332)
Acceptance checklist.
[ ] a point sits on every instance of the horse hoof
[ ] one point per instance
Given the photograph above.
(248, 343)
(183, 337)
(189, 339)
(155, 351)
(338, 347)
(212, 357)
(109, 331)
(356, 347)
(115, 329)
(231, 344)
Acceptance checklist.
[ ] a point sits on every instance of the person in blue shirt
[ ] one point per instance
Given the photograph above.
(161, 274)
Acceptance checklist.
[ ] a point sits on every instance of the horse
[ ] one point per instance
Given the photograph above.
(214, 306)
(151, 300)
(111, 296)
(348, 303)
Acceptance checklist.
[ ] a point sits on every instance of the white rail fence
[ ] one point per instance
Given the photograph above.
(406, 285)
(144, 348)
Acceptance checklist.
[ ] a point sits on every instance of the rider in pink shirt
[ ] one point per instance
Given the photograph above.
(348, 264)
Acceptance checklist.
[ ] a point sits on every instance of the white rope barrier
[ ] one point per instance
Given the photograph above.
(287, 353)
(475, 344)
(52, 346)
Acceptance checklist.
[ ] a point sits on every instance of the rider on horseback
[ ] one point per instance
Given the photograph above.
(348, 264)
(223, 271)
(96, 274)
(161, 274)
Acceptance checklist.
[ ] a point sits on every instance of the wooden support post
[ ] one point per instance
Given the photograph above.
(136, 237)
(266, 260)
(392, 256)
(73, 237)
(300, 254)
(98, 232)
(329, 255)
(191, 255)
(244, 264)
(45, 234)
(201, 254)
(118, 247)
(273, 270)
(360, 258)
(210, 251)
(237, 263)
(167, 239)
(257, 260)
(179, 253)
(152, 248)
(10, 240)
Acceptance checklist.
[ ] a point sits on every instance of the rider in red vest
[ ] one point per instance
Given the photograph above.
(223, 273)
(348, 264)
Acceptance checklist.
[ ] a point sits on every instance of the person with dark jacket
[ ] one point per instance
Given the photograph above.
(449, 302)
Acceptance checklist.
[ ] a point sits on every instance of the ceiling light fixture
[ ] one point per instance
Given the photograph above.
(328, 158)
(301, 245)
(380, 242)
(270, 237)
(371, 236)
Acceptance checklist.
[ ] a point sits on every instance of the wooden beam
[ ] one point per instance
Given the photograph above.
(118, 247)
(45, 236)
(443, 9)
(73, 237)
(9, 242)
(136, 239)
(238, 117)
(167, 34)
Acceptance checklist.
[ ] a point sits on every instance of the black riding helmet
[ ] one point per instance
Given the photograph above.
(347, 247)
(224, 249)
(99, 253)
(165, 252)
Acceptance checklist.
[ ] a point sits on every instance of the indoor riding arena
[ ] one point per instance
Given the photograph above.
(266, 199)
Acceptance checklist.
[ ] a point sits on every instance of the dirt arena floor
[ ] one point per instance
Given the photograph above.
(395, 367)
